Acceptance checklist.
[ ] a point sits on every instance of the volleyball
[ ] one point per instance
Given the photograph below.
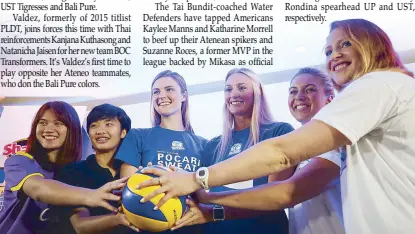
(143, 215)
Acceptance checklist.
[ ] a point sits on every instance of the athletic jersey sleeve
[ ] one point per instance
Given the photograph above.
(204, 157)
(203, 142)
(282, 129)
(68, 175)
(130, 150)
(360, 107)
(18, 169)
(209, 152)
(332, 156)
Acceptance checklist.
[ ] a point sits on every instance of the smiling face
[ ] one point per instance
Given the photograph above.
(51, 132)
(343, 59)
(306, 97)
(106, 135)
(167, 97)
(239, 95)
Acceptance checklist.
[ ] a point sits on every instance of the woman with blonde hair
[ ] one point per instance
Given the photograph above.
(171, 140)
(247, 121)
(372, 118)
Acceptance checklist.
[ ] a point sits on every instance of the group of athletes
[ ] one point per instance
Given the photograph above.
(347, 169)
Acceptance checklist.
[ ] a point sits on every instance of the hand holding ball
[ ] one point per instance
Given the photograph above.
(143, 215)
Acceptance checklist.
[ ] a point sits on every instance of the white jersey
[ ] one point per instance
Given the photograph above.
(323, 213)
(377, 114)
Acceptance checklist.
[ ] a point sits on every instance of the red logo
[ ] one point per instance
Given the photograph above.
(13, 148)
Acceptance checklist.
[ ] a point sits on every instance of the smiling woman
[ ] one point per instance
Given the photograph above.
(355, 50)
(171, 140)
(310, 91)
(247, 121)
(314, 190)
(51, 138)
(107, 125)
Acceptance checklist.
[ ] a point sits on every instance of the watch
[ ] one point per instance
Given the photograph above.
(202, 176)
(218, 213)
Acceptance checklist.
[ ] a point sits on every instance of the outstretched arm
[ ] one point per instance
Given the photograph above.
(56, 193)
(277, 154)
(302, 186)
(305, 184)
(200, 213)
